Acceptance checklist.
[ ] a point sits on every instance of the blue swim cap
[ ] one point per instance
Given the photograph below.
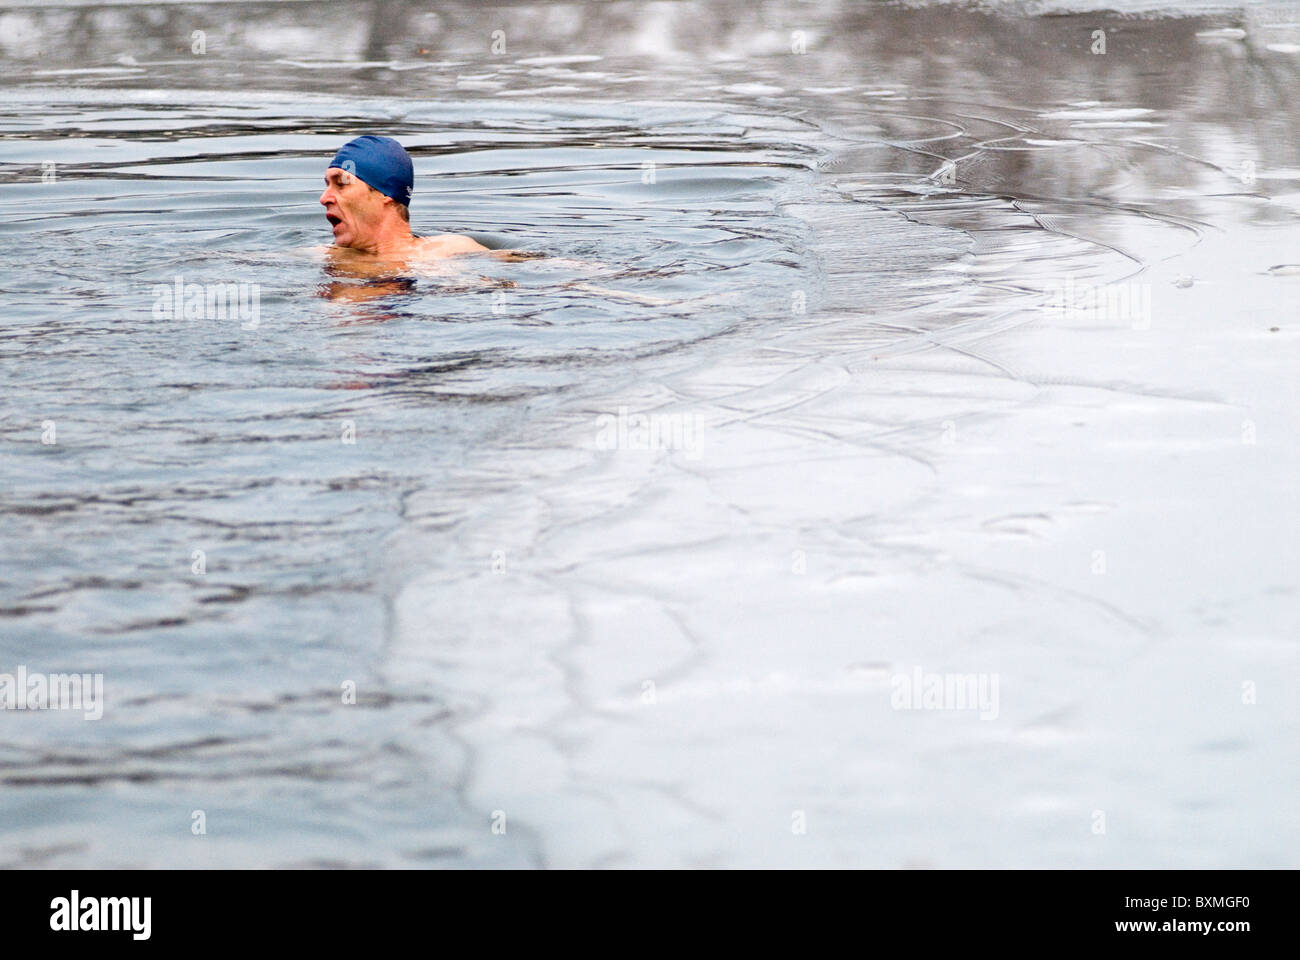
(381, 162)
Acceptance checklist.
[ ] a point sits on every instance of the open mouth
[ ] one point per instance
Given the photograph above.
(333, 219)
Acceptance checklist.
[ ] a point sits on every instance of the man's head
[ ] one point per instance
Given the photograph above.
(368, 192)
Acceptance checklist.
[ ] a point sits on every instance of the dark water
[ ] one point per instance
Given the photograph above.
(741, 171)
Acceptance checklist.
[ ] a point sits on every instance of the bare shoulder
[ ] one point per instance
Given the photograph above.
(449, 244)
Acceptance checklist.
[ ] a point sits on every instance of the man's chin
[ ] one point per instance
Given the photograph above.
(343, 237)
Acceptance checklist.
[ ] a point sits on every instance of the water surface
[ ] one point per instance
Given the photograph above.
(829, 231)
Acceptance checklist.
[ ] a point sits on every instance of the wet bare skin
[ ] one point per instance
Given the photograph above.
(374, 253)
(365, 276)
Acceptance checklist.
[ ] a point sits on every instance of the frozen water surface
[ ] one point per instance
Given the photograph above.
(874, 346)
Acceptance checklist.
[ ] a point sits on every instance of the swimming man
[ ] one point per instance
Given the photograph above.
(367, 199)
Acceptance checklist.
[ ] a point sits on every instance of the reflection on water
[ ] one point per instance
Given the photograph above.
(218, 510)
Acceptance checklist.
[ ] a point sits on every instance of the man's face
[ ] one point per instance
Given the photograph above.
(353, 209)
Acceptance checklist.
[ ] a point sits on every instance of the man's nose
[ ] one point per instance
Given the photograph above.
(328, 196)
